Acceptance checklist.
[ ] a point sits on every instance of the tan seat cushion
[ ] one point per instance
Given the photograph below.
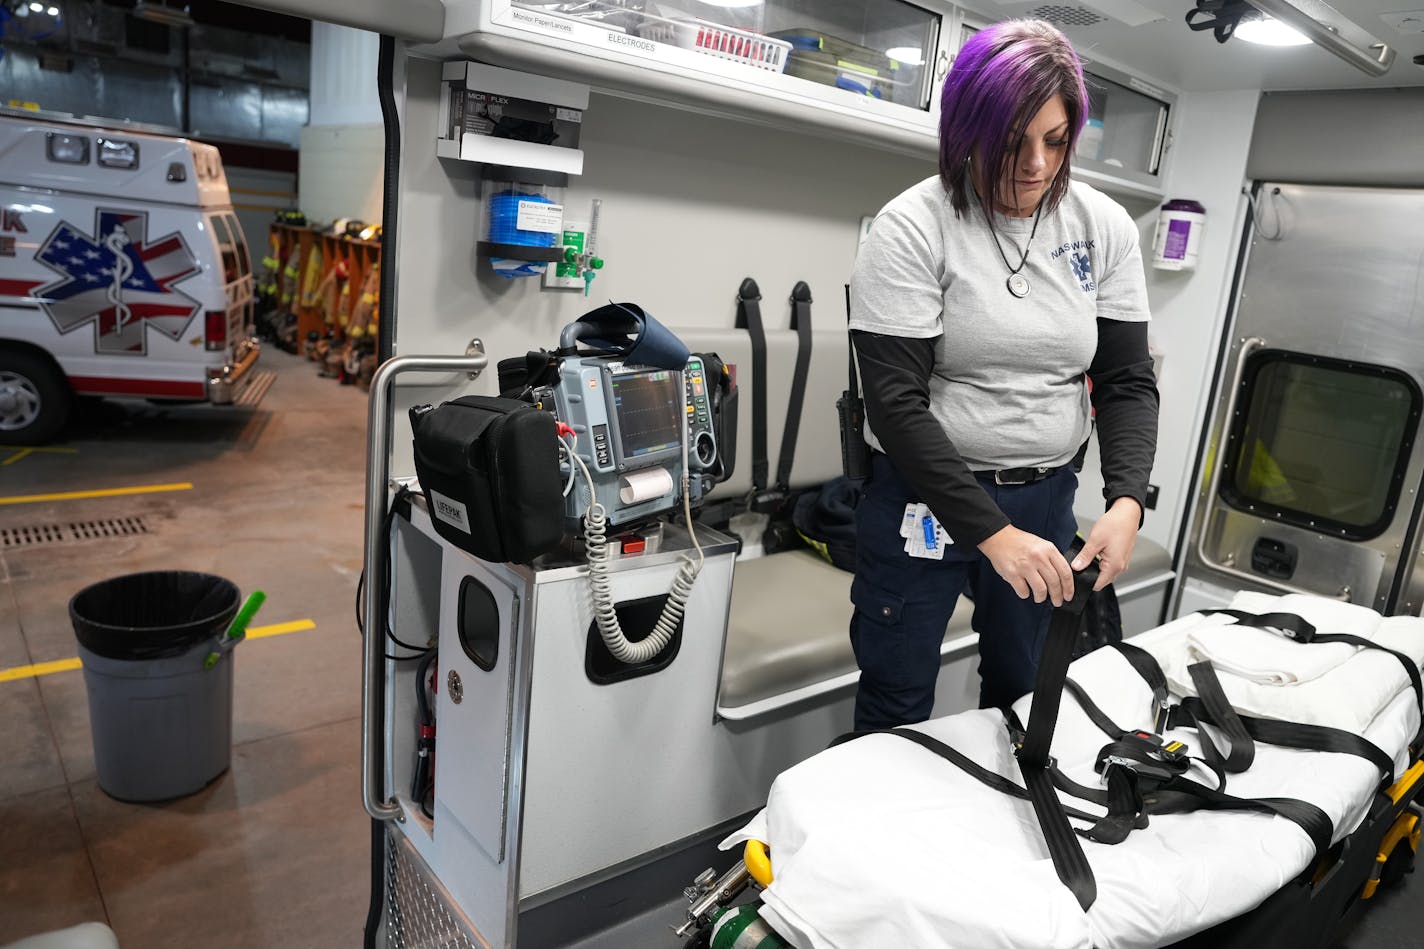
(789, 623)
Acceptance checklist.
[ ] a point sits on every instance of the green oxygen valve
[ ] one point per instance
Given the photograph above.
(594, 264)
(579, 263)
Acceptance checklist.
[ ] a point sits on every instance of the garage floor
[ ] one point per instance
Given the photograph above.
(275, 852)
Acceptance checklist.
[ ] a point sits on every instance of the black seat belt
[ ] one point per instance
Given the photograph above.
(801, 323)
(765, 497)
(749, 319)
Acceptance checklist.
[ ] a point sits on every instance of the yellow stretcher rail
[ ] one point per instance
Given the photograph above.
(1406, 828)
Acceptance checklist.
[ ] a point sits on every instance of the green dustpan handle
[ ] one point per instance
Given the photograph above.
(237, 630)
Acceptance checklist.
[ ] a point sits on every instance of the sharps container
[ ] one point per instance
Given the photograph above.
(158, 670)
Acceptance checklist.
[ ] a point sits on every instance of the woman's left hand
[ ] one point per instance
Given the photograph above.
(1111, 540)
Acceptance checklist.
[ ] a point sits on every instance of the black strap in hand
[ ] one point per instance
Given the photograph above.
(1035, 762)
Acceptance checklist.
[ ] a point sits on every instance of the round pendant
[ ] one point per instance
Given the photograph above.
(1018, 285)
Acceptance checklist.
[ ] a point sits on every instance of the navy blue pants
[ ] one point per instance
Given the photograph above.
(903, 603)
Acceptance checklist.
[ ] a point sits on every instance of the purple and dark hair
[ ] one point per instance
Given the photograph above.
(999, 81)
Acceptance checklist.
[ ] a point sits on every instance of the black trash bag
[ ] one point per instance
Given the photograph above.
(155, 615)
(825, 519)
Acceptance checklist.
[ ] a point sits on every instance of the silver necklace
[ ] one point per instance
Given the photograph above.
(1017, 282)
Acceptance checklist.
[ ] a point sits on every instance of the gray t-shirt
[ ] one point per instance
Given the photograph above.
(1008, 382)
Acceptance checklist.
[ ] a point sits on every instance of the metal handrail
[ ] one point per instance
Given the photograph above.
(377, 550)
(1248, 345)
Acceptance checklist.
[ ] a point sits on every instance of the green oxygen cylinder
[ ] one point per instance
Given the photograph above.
(739, 927)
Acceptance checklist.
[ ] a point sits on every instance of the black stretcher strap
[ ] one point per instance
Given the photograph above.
(990, 779)
(801, 323)
(1099, 718)
(1035, 760)
(1224, 717)
(1302, 631)
(1291, 735)
(749, 319)
(1182, 797)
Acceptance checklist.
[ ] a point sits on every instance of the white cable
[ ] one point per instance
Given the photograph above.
(1260, 218)
(568, 448)
(595, 539)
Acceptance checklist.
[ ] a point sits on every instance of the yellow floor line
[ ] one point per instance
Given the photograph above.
(277, 629)
(18, 453)
(69, 665)
(104, 493)
(38, 669)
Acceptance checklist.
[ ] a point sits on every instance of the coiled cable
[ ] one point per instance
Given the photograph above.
(605, 613)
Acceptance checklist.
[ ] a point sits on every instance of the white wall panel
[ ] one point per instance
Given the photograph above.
(343, 76)
(1212, 138)
(691, 205)
(339, 172)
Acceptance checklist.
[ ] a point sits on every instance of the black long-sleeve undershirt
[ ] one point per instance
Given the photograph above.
(895, 377)
(1126, 401)
(895, 373)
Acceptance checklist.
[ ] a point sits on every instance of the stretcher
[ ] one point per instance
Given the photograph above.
(1163, 792)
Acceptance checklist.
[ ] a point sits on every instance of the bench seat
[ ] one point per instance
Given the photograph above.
(787, 629)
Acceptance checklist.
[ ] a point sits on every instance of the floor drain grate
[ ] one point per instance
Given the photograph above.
(35, 535)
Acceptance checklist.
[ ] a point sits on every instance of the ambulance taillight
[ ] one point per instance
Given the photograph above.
(215, 329)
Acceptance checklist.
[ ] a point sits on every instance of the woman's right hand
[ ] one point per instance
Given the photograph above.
(1029, 564)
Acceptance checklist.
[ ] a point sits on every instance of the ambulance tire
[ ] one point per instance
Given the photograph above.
(27, 373)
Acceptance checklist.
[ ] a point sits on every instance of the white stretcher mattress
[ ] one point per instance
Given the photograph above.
(879, 842)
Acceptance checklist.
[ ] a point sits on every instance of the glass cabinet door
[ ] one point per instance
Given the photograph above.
(879, 49)
(1127, 123)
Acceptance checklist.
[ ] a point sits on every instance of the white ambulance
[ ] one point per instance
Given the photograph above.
(123, 271)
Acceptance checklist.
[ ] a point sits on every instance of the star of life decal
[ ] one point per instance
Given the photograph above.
(118, 281)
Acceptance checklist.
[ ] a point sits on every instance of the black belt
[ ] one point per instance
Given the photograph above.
(1019, 475)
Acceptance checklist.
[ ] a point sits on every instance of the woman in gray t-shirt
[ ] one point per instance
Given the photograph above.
(983, 301)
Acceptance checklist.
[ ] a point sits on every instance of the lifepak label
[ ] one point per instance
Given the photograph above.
(450, 511)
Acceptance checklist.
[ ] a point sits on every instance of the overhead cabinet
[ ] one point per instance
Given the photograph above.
(859, 70)
(862, 70)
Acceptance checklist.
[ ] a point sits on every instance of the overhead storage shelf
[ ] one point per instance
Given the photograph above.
(828, 74)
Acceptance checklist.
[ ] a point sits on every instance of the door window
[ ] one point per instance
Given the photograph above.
(1320, 443)
(232, 269)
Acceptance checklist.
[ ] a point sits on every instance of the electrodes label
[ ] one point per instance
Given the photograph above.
(450, 511)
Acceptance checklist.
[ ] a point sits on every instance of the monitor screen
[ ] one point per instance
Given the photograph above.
(649, 406)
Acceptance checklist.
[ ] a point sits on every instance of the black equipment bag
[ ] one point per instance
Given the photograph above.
(489, 469)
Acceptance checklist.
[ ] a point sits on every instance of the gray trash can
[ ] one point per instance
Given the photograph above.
(159, 709)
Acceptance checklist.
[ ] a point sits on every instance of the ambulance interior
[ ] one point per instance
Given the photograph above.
(573, 796)
(701, 185)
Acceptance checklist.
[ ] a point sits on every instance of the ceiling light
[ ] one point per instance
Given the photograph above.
(907, 55)
(1327, 28)
(37, 8)
(1268, 31)
(53, 11)
(1316, 20)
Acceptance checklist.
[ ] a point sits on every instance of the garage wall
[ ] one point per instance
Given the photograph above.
(343, 146)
